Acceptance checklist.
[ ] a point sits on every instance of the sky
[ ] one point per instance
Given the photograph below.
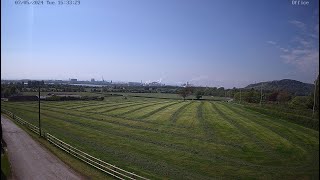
(228, 43)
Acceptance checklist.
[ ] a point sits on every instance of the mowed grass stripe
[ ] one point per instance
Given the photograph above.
(140, 112)
(61, 104)
(87, 105)
(165, 116)
(90, 120)
(282, 128)
(104, 105)
(165, 129)
(101, 149)
(304, 132)
(155, 141)
(32, 104)
(152, 160)
(261, 132)
(209, 134)
(188, 116)
(150, 110)
(66, 105)
(226, 132)
(175, 115)
(132, 109)
(127, 121)
(301, 145)
(150, 138)
(136, 124)
(203, 155)
(115, 107)
(270, 141)
(159, 150)
(163, 108)
(70, 106)
(243, 129)
(25, 114)
(82, 105)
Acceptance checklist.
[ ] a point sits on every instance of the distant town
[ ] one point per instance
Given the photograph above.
(94, 83)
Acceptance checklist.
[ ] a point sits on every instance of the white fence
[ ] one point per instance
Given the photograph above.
(32, 127)
(93, 161)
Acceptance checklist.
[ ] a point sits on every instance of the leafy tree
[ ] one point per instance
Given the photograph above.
(199, 94)
(6, 93)
(283, 96)
(301, 102)
(273, 96)
(251, 96)
(184, 92)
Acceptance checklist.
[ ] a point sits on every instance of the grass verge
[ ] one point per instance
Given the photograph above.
(5, 166)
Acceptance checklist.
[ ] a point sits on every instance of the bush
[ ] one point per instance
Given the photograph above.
(301, 102)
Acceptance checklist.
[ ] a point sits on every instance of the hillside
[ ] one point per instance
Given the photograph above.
(292, 86)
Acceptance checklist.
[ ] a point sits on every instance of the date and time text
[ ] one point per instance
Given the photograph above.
(47, 2)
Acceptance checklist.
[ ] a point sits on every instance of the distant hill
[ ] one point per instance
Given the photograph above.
(295, 87)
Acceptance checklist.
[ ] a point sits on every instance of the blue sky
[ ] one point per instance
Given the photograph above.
(205, 42)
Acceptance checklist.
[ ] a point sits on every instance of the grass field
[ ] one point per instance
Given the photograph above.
(142, 95)
(170, 96)
(167, 138)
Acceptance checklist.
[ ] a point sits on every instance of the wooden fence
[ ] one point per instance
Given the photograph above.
(32, 127)
(85, 157)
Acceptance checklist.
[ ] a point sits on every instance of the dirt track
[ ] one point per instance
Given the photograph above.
(29, 160)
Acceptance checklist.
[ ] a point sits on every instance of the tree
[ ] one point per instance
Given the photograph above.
(184, 92)
(6, 93)
(283, 96)
(273, 96)
(301, 102)
(199, 94)
(13, 90)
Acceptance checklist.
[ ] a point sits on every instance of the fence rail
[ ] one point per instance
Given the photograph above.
(32, 127)
(85, 157)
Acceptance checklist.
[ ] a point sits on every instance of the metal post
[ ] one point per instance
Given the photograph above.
(39, 111)
(240, 96)
(314, 97)
(260, 94)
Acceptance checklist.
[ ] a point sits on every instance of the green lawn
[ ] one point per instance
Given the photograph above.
(176, 139)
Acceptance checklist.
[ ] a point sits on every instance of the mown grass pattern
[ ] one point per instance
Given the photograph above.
(218, 140)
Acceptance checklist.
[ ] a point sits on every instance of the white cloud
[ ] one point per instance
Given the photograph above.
(304, 59)
(316, 32)
(283, 49)
(272, 42)
(303, 50)
(298, 24)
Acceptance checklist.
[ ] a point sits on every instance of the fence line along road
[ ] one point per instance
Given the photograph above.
(85, 157)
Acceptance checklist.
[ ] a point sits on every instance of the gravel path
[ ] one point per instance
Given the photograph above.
(29, 160)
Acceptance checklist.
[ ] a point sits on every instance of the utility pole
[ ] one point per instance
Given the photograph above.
(314, 97)
(225, 95)
(240, 96)
(261, 94)
(315, 90)
(39, 111)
